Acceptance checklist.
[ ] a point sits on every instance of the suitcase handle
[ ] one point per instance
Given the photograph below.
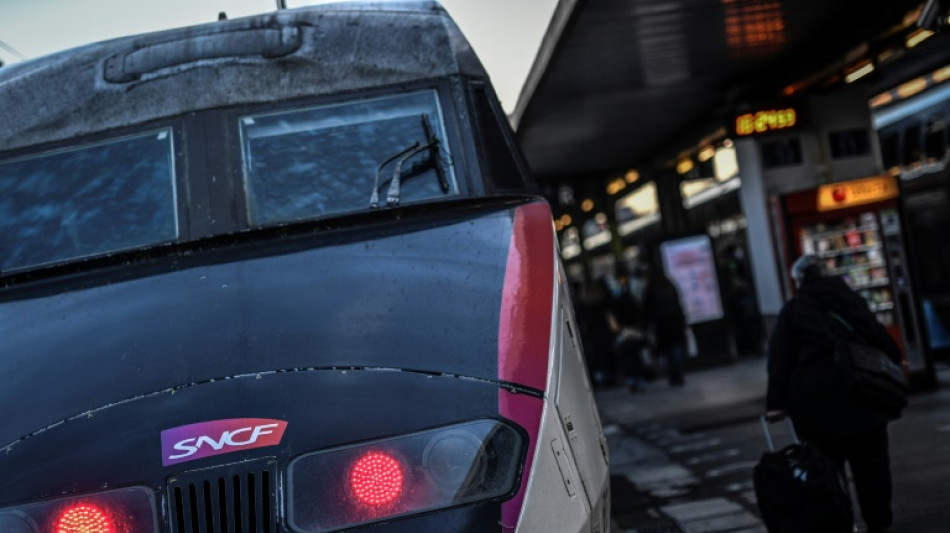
(768, 431)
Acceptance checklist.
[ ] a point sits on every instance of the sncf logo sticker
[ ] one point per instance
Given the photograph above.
(216, 437)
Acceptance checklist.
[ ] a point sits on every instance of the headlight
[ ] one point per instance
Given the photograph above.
(117, 511)
(379, 480)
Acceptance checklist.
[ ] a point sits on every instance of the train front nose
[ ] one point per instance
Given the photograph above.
(407, 382)
(308, 450)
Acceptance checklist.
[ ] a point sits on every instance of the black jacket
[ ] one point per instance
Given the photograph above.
(803, 379)
(664, 313)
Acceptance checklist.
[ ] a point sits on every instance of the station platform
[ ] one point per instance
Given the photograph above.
(681, 458)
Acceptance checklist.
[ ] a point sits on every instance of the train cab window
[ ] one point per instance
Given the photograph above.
(498, 154)
(311, 162)
(87, 201)
(935, 142)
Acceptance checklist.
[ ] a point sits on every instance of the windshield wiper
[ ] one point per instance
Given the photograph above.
(374, 199)
(432, 145)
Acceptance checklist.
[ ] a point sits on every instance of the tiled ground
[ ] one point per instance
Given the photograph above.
(682, 458)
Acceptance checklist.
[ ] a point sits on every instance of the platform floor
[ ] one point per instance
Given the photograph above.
(681, 458)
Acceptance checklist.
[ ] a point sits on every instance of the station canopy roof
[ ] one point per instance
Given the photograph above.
(624, 83)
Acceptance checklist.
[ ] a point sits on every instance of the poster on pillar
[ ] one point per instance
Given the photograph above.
(690, 264)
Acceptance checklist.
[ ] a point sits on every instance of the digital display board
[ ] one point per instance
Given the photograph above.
(765, 121)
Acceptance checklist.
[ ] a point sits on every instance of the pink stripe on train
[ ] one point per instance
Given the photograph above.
(524, 331)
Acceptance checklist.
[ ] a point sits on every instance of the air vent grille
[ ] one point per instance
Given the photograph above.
(235, 498)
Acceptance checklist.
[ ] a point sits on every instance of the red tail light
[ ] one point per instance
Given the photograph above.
(128, 510)
(83, 518)
(425, 471)
(376, 478)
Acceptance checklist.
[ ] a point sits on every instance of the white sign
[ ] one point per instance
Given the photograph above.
(690, 265)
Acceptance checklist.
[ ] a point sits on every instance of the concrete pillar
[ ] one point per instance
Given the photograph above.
(754, 201)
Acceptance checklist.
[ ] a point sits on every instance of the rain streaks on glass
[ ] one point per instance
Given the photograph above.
(86, 201)
(311, 162)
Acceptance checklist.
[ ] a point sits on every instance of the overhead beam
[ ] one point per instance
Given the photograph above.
(559, 21)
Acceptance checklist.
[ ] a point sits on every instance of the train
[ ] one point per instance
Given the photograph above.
(283, 273)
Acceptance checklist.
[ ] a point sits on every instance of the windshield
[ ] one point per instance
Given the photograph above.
(323, 160)
(85, 201)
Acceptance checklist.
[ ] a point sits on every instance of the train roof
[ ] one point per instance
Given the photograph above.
(319, 50)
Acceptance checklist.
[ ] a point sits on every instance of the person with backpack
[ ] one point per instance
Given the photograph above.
(805, 382)
(667, 322)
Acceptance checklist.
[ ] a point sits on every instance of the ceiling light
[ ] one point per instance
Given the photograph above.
(684, 165)
(587, 205)
(631, 176)
(641, 202)
(706, 154)
(859, 71)
(917, 37)
(725, 165)
(912, 87)
(881, 99)
(941, 75)
(616, 186)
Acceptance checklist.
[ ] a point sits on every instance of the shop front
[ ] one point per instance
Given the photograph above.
(915, 147)
(855, 228)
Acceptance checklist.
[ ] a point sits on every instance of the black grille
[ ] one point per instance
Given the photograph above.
(235, 498)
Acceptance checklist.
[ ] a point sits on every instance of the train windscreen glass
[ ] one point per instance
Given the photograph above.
(87, 201)
(317, 161)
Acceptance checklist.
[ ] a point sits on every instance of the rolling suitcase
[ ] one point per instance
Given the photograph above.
(799, 489)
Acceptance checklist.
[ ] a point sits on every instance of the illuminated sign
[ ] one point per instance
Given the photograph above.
(194, 441)
(637, 209)
(766, 121)
(691, 265)
(856, 192)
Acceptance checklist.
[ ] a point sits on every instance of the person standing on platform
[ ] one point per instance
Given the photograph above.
(665, 318)
(746, 324)
(596, 335)
(626, 319)
(803, 384)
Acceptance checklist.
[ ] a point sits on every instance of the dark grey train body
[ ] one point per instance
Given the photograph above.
(291, 54)
(283, 273)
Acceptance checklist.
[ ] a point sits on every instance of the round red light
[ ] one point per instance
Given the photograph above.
(84, 518)
(376, 478)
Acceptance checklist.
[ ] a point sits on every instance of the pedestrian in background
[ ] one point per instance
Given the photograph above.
(591, 310)
(665, 319)
(744, 315)
(802, 383)
(625, 315)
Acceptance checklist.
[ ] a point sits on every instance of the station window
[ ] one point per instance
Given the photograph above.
(890, 149)
(706, 168)
(637, 209)
(88, 200)
(935, 143)
(910, 155)
(849, 143)
(781, 152)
